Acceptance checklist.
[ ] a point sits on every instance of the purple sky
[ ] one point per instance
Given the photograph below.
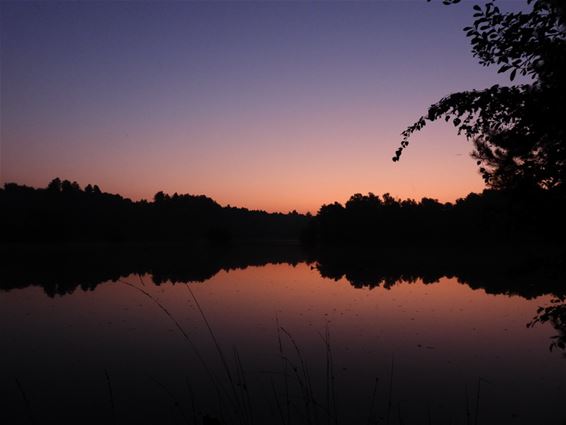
(271, 105)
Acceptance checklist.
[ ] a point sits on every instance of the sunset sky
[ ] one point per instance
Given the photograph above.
(267, 105)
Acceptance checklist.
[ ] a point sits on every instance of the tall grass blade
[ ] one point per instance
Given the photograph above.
(111, 396)
(27, 404)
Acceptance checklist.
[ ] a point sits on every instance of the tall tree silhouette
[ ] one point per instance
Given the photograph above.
(63, 212)
(518, 131)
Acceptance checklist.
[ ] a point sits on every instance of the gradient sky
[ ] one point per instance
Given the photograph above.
(268, 105)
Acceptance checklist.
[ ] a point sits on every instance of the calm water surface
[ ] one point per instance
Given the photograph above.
(408, 353)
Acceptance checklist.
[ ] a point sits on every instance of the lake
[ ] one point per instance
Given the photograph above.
(286, 339)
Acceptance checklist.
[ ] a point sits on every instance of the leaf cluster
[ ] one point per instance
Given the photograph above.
(518, 131)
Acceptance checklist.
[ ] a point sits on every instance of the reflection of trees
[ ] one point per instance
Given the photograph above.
(515, 270)
(60, 271)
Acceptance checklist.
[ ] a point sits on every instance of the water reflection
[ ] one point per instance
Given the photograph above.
(405, 342)
(502, 270)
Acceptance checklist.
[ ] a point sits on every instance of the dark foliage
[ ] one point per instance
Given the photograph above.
(519, 132)
(63, 213)
(477, 220)
(556, 315)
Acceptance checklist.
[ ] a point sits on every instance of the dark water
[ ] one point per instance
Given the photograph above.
(403, 351)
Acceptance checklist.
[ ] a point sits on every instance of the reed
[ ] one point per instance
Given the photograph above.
(390, 397)
(173, 398)
(302, 375)
(27, 404)
(468, 414)
(284, 366)
(220, 390)
(191, 399)
(371, 417)
(332, 414)
(110, 396)
(293, 365)
(239, 396)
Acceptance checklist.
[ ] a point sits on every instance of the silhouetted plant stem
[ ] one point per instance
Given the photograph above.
(217, 386)
(175, 400)
(240, 409)
(389, 402)
(468, 416)
(284, 364)
(477, 410)
(478, 401)
(399, 416)
(371, 416)
(27, 404)
(332, 415)
(303, 379)
(243, 385)
(110, 396)
(277, 401)
(192, 399)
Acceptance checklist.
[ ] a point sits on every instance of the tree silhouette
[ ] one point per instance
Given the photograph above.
(518, 131)
(54, 185)
(64, 212)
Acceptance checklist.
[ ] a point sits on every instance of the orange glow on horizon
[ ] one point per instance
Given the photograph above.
(302, 177)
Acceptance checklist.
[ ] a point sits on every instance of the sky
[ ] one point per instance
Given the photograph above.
(269, 105)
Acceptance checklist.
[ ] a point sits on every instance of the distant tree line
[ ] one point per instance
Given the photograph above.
(492, 217)
(65, 212)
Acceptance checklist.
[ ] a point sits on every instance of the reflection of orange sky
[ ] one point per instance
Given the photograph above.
(239, 301)
(441, 336)
(300, 296)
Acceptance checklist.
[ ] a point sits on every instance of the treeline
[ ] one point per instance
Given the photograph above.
(494, 216)
(64, 212)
